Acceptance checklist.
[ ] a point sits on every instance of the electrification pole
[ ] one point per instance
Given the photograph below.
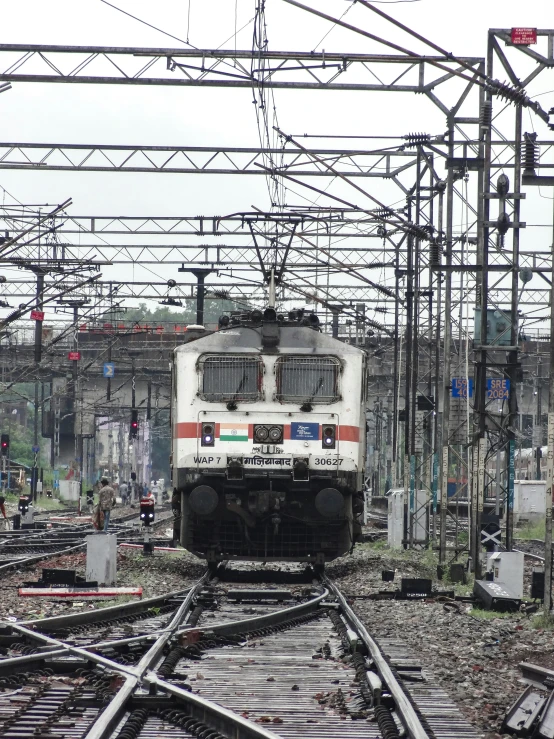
(38, 357)
(550, 457)
(537, 441)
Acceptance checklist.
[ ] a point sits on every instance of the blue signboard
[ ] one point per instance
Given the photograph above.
(498, 389)
(109, 369)
(460, 386)
(304, 431)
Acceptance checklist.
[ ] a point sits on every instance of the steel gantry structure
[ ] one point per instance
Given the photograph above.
(429, 270)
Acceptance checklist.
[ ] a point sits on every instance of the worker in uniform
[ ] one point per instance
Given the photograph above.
(106, 501)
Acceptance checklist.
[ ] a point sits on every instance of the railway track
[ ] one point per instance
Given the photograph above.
(241, 654)
(24, 547)
(532, 548)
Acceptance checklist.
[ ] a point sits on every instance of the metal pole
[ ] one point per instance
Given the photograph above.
(335, 322)
(550, 457)
(77, 408)
(538, 432)
(396, 375)
(200, 293)
(480, 401)
(512, 368)
(38, 356)
(447, 356)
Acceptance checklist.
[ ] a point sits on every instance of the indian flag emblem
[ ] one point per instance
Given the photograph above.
(233, 432)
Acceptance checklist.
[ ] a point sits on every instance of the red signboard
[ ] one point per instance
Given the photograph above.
(524, 36)
(74, 356)
(37, 315)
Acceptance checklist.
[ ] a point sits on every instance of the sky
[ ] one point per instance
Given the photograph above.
(114, 114)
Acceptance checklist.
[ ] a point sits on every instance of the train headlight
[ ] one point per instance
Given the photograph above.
(203, 500)
(261, 433)
(276, 434)
(329, 436)
(208, 434)
(329, 502)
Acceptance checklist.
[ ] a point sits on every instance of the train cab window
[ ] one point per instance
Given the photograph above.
(307, 379)
(225, 377)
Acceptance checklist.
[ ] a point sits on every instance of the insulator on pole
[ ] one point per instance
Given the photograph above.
(530, 153)
(485, 116)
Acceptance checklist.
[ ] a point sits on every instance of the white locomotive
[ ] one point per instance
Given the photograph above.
(268, 419)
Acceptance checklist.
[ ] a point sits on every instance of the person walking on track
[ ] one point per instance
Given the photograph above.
(106, 501)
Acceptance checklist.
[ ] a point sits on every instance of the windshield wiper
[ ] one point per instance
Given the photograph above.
(242, 383)
(316, 388)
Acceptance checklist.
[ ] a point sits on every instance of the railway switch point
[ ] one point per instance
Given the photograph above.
(102, 559)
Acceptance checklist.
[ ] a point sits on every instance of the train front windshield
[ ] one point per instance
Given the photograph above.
(308, 379)
(227, 377)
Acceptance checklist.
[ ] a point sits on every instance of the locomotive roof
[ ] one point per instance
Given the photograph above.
(293, 339)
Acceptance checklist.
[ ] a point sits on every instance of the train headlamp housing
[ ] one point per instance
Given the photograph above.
(275, 434)
(329, 436)
(261, 433)
(208, 434)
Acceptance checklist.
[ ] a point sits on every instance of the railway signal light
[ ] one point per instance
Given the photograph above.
(208, 434)
(147, 511)
(134, 425)
(329, 436)
(5, 444)
(23, 505)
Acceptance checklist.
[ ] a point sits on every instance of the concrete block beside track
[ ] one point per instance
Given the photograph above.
(102, 559)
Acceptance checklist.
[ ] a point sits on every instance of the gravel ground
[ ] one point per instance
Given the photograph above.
(474, 659)
(157, 575)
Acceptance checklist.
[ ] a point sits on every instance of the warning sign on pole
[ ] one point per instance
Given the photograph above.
(74, 356)
(524, 36)
(37, 315)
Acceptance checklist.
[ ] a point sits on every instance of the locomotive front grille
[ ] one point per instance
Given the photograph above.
(293, 539)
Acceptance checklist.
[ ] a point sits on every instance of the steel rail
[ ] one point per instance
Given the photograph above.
(37, 558)
(226, 628)
(78, 651)
(530, 555)
(102, 614)
(535, 674)
(224, 720)
(406, 711)
(107, 719)
(260, 622)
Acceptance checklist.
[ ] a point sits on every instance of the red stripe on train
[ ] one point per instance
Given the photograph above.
(188, 430)
(348, 433)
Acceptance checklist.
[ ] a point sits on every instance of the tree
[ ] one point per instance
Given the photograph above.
(213, 308)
